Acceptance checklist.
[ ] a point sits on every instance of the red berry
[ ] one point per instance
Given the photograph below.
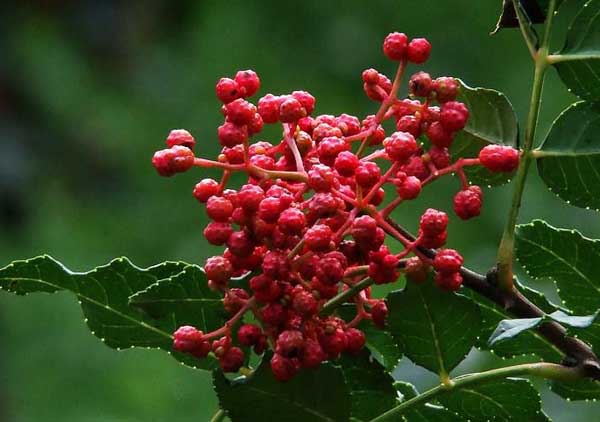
(370, 76)
(321, 178)
(250, 197)
(439, 135)
(306, 100)
(410, 188)
(467, 202)
(446, 88)
(188, 339)
(367, 174)
(291, 110)
(273, 314)
(248, 80)
(313, 354)
(240, 112)
(418, 50)
(218, 269)
(176, 159)
(448, 281)
(275, 265)
(454, 115)
(420, 84)
(305, 303)
(269, 209)
(434, 241)
(318, 238)
(240, 244)
(349, 125)
(433, 222)
(180, 137)
(329, 148)
(232, 360)
(379, 312)
(440, 157)
(230, 134)
(400, 146)
(268, 108)
(499, 158)
(416, 167)
(415, 270)
(249, 334)
(355, 340)
(284, 368)
(394, 46)
(346, 163)
(205, 189)
(227, 90)
(256, 125)
(234, 300)
(217, 233)
(291, 221)
(219, 208)
(364, 229)
(330, 270)
(447, 261)
(409, 124)
(289, 344)
(333, 343)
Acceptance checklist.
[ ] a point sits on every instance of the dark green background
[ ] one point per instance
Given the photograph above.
(89, 89)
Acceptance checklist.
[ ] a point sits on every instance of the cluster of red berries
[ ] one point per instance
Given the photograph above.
(308, 227)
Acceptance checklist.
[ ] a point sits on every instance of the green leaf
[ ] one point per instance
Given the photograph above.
(569, 158)
(379, 341)
(319, 395)
(371, 388)
(534, 11)
(103, 294)
(579, 64)
(584, 389)
(437, 329)
(528, 342)
(426, 412)
(492, 120)
(184, 299)
(565, 256)
(508, 399)
(510, 328)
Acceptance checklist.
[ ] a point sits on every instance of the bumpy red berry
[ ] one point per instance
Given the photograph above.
(205, 189)
(418, 50)
(447, 261)
(248, 81)
(227, 90)
(499, 158)
(188, 339)
(180, 137)
(232, 360)
(318, 238)
(454, 115)
(467, 202)
(176, 159)
(394, 46)
(433, 222)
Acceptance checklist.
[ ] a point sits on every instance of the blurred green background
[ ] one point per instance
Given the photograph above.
(89, 89)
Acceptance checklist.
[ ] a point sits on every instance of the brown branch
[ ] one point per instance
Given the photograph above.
(577, 353)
